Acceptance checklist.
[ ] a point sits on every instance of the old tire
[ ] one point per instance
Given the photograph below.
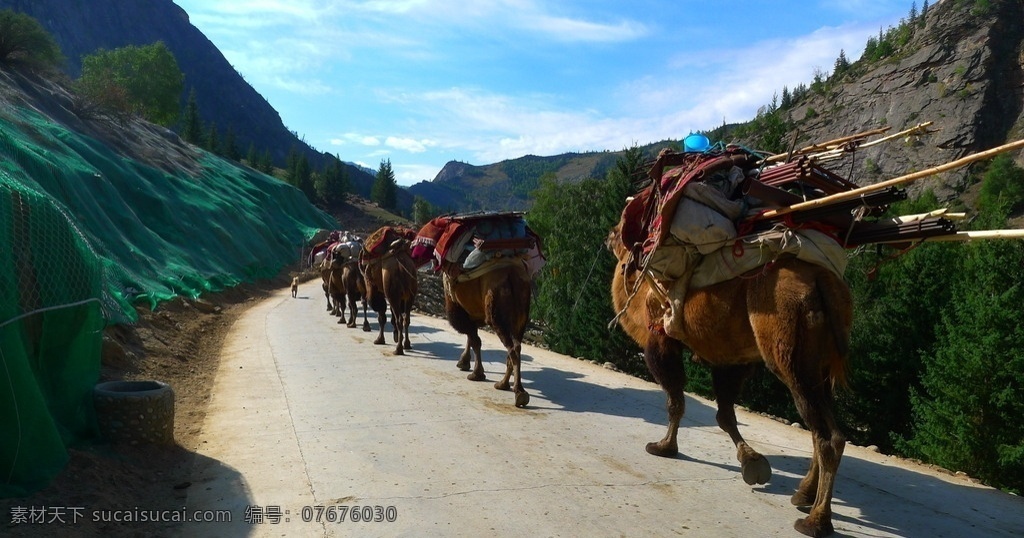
(135, 412)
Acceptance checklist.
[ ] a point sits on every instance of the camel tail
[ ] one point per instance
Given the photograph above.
(839, 315)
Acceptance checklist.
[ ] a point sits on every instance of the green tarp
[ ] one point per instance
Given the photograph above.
(85, 234)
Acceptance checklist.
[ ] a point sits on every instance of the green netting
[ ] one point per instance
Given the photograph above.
(84, 235)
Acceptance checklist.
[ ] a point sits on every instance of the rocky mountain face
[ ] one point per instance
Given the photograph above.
(963, 70)
(80, 27)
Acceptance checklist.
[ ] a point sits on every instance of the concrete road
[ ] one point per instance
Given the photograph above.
(310, 422)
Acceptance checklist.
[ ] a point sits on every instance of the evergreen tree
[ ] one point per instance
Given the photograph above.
(252, 156)
(266, 162)
(573, 220)
(229, 148)
(212, 140)
(787, 99)
(385, 188)
(333, 183)
(924, 13)
(967, 414)
(192, 126)
(842, 65)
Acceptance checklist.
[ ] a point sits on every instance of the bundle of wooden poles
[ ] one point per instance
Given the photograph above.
(801, 190)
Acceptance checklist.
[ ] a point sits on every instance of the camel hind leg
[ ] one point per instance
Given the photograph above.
(461, 321)
(808, 353)
(727, 382)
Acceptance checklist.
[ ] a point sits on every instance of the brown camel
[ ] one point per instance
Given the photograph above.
(500, 299)
(391, 280)
(494, 292)
(794, 316)
(347, 286)
(325, 277)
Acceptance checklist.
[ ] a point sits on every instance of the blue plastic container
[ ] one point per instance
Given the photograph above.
(696, 142)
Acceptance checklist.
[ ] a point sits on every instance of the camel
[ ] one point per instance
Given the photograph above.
(325, 276)
(793, 316)
(495, 293)
(390, 280)
(500, 299)
(346, 285)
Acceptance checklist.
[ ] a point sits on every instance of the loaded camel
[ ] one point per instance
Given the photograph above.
(347, 286)
(496, 294)
(390, 276)
(794, 315)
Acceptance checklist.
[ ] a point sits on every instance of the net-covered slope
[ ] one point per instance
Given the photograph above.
(85, 234)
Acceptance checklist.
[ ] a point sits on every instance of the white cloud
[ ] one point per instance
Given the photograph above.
(409, 144)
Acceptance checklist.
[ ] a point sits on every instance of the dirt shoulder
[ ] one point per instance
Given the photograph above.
(178, 343)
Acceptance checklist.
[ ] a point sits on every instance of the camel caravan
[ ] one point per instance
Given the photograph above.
(735, 255)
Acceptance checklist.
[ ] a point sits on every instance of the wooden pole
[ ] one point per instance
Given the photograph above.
(829, 144)
(849, 195)
(967, 236)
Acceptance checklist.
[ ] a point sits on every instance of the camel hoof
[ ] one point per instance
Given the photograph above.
(661, 450)
(378, 341)
(803, 526)
(398, 351)
(502, 385)
(350, 325)
(522, 399)
(407, 345)
(463, 365)
(801, 499)
(341, 320)
(757, 471)
(366, 328)
(477, 376)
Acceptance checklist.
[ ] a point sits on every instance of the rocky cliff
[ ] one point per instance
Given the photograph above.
(963, 69)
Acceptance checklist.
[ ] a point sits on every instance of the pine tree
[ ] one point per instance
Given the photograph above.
(212, 141)
(385, 188)
(192, 126)
(229, 148)
(252, 156)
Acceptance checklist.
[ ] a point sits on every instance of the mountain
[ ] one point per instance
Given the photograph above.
(225, 99)
(960, 66)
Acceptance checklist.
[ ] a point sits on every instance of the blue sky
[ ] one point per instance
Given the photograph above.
(424, 82)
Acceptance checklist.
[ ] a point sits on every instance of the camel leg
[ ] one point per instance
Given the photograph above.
(727, 382)
(352, 311)
(463, 323)
(406, 323)
(513, 369)
(815, 407)
(663, 357)
(504, 384)
(366, 319)
(382, 318)
(466, 356)
(478, 365)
